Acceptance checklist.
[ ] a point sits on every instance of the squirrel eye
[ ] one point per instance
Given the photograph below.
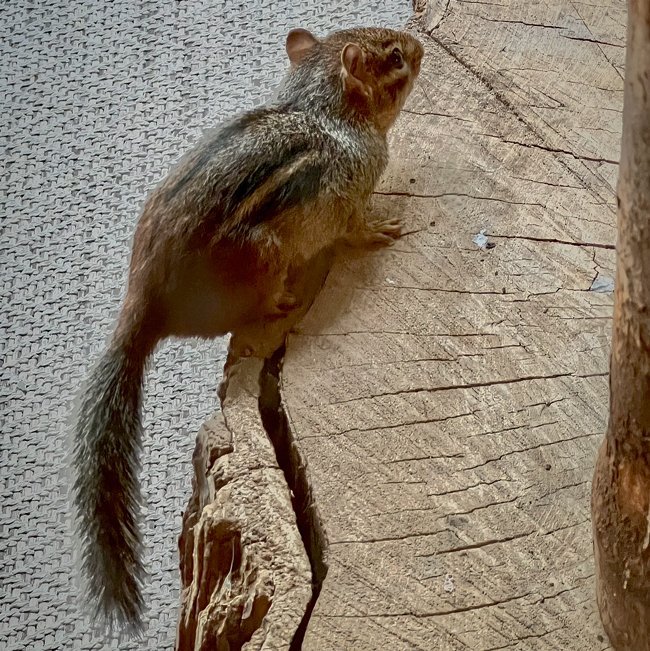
(395, 58)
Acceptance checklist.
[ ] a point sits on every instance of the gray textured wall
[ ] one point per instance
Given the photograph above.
(97, 100)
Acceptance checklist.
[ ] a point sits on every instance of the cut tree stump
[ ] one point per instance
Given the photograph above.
(621, 487)
(449, 394)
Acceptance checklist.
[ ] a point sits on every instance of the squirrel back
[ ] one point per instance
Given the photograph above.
(213, 250)
(323, 136)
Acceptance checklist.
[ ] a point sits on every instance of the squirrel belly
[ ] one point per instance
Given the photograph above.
(213, 250)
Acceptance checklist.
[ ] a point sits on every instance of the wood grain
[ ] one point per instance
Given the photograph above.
(449, 397)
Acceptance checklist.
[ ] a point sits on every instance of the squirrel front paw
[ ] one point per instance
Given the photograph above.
(386, 231)
(377, 234)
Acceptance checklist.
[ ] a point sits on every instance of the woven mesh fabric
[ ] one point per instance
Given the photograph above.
(97, 100)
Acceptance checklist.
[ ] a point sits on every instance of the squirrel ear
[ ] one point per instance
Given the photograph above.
(353, 66)
(299, 42)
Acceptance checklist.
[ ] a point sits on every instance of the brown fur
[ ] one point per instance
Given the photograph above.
(215, 249)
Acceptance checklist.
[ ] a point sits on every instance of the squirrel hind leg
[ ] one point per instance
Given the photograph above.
(282, 296)
(281, 304)
(281, 299)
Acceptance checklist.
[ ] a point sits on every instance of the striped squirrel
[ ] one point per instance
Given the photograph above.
(212, 250)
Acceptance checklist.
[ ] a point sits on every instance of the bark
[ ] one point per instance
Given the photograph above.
(621, 487)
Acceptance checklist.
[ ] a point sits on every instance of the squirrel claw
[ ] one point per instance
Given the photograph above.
(383, 233)
(390, 227)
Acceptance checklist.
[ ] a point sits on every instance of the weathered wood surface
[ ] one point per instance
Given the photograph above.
(246, 579)
(448, 397)
(621, 484)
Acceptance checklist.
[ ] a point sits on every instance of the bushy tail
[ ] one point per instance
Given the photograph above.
(107, 446)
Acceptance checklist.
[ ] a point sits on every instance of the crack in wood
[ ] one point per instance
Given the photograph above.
(551, 240)
(436, 613)
(529, 449)
(294, 467)
(379, 428)
(510, 107)
(455, 387)
(479, 545)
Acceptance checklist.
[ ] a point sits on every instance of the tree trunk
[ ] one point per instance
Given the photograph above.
(621, 487)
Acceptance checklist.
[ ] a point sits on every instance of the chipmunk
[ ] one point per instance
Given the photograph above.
(212, 251)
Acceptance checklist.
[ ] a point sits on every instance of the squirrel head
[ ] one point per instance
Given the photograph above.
(364, 73)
